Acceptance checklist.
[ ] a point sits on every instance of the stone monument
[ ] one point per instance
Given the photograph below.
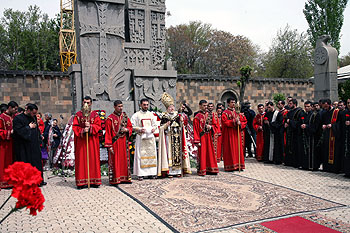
(121, 53)
(145, 51)
(325, 78)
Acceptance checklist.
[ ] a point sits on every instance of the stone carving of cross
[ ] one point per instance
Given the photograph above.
(148, 7)
(138, 18)
(102, 29)
(158, 22)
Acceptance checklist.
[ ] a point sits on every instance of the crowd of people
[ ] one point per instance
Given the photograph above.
(314, 138)
(25, 137)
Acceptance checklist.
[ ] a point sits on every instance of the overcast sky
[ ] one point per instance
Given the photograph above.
(256, 19)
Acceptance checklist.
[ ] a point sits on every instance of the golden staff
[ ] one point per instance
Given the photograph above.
(238, 138)
(86, 112)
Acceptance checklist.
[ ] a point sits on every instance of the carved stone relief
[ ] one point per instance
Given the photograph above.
(137, 26)
(138, 1)
(158, 2)
(153, 89)
(326, 65)
(137, 58)
(100, 41)
(111, 66)
(158, 40)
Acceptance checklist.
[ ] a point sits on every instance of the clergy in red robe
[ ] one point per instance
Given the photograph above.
(284, 112)
(218, 136)
(118, 130)
(6, 131)
(204, 127)
(258, 127)
(332, 153)
(87, 127)
(233, 124)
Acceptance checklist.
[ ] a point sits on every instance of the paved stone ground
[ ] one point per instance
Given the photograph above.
(332, 187)
(106, 209)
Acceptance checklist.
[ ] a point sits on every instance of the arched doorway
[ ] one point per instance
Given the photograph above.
(228, 94)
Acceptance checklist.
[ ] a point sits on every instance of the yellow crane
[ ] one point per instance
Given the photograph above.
(68, 47)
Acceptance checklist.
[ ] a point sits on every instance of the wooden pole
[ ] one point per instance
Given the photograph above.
(86, 112)
(87, 158)
(239, 149)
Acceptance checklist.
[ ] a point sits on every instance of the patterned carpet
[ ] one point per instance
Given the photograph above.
(194, 203)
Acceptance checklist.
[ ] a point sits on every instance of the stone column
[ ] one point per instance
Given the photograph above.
(326, 83)
(74, 72)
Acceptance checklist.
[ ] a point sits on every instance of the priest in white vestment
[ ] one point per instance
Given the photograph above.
(145, 159)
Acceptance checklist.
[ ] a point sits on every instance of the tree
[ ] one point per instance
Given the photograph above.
(290, 56)
(227, 53)
(197, 48)
(186, 44)
(245, 72)
(344, 90)
(345, 60)
(29, 40)
(3, 63)
(278, 97)
(325, 17)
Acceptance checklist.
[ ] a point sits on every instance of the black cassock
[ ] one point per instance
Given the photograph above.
(27, 141)
(308, 140)
(315, 144)
(275, 129)
(332, 143)
(292, 150)
(345, 116)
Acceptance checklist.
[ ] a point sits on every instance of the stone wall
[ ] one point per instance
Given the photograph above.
(193, 88)
(51, 91)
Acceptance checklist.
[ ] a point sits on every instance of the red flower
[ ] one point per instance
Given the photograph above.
(20, 173)
(25, 180)
(266, 119)
(302, 118)
(347, 115)
(32, 198)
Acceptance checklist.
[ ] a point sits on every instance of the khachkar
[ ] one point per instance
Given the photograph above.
(145, 51)
(121, 53)
(326, 83)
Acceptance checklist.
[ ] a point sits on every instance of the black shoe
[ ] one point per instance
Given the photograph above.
(212, 173)
(82, 187)
(268, 162)
(125, 182)
(95, 185)
(42, 184)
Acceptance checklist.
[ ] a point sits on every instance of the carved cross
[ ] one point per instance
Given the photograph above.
(148, 7)
(151, 7)
(138, 18)
(158, 22)
(102, 29)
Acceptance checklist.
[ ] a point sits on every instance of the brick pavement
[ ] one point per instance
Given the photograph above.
(107, 209)
(332, 187)
(329, 186)
(104, 209)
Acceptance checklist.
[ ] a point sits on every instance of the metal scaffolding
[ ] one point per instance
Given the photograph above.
(68, 52)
